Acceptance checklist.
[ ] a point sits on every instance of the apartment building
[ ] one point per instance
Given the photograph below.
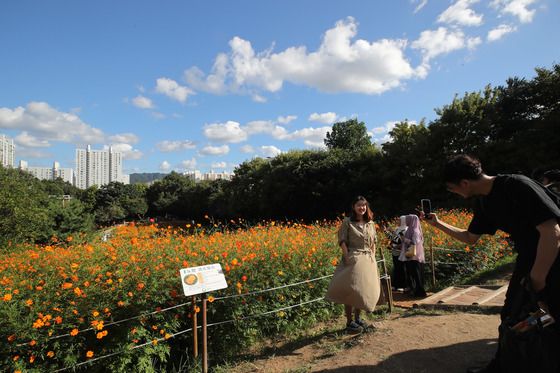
(7, 151)
(49, 173)
(98, 167)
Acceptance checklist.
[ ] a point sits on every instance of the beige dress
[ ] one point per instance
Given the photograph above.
(356, 283)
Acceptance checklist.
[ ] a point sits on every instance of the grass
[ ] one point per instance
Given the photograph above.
(500, 270)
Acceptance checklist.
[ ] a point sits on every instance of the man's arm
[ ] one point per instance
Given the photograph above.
(547, 251)
(460, 234)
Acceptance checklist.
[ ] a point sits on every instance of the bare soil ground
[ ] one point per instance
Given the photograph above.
(408, 340)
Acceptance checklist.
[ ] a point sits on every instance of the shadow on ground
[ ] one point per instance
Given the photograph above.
(448, 359)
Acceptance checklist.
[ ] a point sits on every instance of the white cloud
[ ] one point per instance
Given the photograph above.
(215, 150)
(142, 102)
(164, 166)
(472, 43)
(229, 132)
(258, 98)
(460, 13)
(247, 149)
(214, 82)
(326, 118)
(175, 146)
(313, 137)
(287, 119)
(129, 138)
(188, 164)
(270, 150)
(266, 127)
(432, 43)
(157, 115)
(23, 152)
(219, 165)
(420, 6)
(42, 121)
(500, 31)
(173, 90)
(340, 64)
(127, 151)
(26, 140)
(516, 8)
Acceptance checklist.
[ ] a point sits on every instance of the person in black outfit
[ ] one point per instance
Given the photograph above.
(399, 275)
(526, 211)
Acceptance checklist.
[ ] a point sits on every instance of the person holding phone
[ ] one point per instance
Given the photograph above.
(412, 254)
(528, 212)
(355, 282)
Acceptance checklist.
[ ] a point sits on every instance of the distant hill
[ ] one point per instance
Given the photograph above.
(144, 178)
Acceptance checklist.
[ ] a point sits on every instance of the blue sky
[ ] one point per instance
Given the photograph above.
(180, 85)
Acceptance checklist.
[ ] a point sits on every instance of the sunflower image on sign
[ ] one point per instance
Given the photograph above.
(191, 279)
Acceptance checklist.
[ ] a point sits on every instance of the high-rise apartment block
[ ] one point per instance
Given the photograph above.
(49, 173)
(98, 167)
(7, 151)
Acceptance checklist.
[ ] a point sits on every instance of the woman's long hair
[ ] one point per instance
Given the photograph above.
(368, 215)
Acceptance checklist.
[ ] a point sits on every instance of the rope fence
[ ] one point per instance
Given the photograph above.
(384, 276)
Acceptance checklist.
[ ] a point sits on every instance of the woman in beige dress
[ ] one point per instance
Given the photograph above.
(355, 282)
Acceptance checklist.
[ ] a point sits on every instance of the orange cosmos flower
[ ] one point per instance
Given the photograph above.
(89, 354)
(74, 332)
(7, 297)
(50, 354)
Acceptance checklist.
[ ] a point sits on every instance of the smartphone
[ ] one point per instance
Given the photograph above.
(426, 207)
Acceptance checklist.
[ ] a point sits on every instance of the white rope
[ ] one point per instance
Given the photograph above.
(270, 289)
(117, 322)
(182, 332)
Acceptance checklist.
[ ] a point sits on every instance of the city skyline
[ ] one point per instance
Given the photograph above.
(185, 87)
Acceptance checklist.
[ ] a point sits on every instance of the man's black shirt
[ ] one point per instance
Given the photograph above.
(515, 205)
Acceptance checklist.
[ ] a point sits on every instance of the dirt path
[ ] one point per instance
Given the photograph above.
(406, 341)
(427, 342)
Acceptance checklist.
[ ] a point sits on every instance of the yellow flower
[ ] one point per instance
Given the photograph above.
(210, 299)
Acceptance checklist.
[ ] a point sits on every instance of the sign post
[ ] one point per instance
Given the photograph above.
(200, 280)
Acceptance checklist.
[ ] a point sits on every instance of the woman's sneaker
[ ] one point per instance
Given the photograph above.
(353, 327)
(361, 323)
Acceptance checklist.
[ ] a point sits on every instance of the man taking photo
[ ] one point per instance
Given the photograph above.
(526, 211)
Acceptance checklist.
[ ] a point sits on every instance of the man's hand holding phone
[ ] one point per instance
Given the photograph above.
(426, 212)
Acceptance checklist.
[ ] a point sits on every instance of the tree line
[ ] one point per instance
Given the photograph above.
(512, 128)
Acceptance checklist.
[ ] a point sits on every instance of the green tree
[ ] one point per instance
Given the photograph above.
(350, 135)
(69, 218)
(164, 197)
(23, 216)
